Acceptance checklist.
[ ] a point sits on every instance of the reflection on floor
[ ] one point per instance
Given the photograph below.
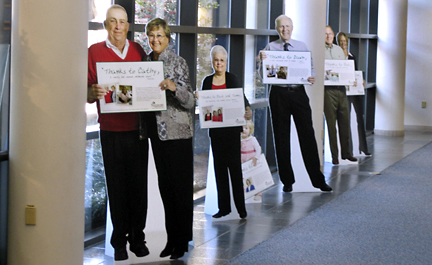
(218, 242)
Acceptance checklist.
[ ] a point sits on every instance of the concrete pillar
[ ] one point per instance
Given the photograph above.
(309, 21)
(47, 131)
(391, 61)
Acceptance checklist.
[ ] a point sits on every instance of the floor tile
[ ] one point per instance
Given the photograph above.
(215, 242)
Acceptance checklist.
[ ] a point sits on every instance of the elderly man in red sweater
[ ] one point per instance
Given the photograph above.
(125, 155)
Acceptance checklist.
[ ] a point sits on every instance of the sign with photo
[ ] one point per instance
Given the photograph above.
(131, 86)
(339, 73)
(286, 67)
(221, 108)
(358, 89)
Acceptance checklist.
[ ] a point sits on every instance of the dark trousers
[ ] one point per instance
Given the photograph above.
(125, 160)
(284, 103)
(336, 111)
(358, 103)
(227, 157)
(174, 165)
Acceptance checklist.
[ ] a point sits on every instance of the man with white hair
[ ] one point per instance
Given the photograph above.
(125, 155)
(292, 100)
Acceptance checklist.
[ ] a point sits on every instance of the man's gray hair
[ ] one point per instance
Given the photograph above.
(116, 6)
(280, 17)
(218, 48)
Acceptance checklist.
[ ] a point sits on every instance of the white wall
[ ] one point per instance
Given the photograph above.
(419, 63)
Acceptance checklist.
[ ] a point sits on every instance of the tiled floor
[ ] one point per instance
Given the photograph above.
(218, 242)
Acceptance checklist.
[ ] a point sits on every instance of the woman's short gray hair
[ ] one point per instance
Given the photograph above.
(218, 48)
(159, 23)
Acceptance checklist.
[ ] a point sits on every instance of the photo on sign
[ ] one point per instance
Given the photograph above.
(208, 116)
(332, 76)
(212, 114)
(124, 95)
(271, 71)
(282, 73)
(110, 95)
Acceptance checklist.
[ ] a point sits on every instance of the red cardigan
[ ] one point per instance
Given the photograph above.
(99, 52)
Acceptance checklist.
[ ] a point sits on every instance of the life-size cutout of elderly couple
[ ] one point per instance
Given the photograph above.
(124, 140)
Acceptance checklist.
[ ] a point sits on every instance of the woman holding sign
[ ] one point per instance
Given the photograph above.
(356, 100)
(225, 142)
(171, 134)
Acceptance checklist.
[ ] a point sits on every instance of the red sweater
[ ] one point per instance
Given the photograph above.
(99, 52)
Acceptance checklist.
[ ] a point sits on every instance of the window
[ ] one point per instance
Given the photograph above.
(5, 41)
(146, 10)
(213, 13)
(95, 191)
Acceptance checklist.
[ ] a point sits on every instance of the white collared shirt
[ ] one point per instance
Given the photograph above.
(116, 50)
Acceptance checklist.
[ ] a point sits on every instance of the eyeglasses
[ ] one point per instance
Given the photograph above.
(158, 37)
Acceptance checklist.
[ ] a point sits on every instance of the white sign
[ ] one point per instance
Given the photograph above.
(339, 73)
(221, 108)
(131, 86)
(286, 67)
(257, 177)
(358, 89)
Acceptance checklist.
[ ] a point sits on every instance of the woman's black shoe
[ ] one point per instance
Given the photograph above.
(243, 215)
(366, 153)
(168, 250)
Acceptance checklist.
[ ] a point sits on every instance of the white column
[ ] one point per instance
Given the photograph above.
(391, 60)
(47, 131)
(309, 20)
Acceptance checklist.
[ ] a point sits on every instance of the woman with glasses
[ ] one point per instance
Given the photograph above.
(171, 134)
(356, 100)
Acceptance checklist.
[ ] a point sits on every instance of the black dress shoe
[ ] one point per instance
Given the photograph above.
(140, 249)
(335, 161)
(351, 158)
(179, 251)
(220, 214)
(287, 188)
(167, 250)
(120, 254)
(243, 215)
(325, 187)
